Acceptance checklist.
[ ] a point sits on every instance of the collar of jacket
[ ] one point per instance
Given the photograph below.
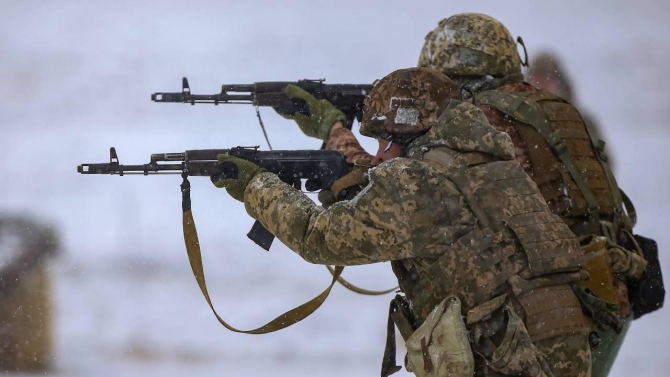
(464, 128)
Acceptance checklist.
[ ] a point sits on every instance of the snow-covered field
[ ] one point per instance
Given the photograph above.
(76, 79)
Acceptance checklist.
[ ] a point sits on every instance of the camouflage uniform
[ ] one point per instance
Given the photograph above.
(414, 215)
(344, 141)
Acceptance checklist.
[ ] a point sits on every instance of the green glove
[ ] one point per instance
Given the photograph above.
(326, 198)
(245, 172)
(322, 114)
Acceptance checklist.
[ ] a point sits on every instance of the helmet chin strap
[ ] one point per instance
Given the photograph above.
(519, 40)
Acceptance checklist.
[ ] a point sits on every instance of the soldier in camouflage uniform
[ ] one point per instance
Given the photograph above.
(552, 144)
(466, 230)
(555, 147)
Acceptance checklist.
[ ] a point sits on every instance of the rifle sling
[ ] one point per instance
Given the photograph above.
(286, 319)
(357, 289)
(628, 218)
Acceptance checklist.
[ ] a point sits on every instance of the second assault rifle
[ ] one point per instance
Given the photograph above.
(318, 168)
(348, 98)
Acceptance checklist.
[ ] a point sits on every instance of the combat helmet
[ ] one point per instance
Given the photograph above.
(406, 102)
(470, 44)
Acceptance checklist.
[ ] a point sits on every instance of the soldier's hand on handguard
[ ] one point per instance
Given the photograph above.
(322, 114)
(245, 172)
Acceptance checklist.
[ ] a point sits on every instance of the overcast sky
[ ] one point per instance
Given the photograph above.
(77, 77)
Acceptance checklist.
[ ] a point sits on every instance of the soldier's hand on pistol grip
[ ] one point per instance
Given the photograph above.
(322, 114)
(245, 172)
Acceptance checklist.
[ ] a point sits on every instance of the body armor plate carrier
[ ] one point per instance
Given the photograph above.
(518, 247)
(575, 179)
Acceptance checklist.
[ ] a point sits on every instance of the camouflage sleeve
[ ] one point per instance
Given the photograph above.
(370, 228)
(343, 140)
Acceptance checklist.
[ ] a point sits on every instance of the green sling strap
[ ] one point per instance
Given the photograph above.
(621, 200)
(287, 319)
(521, 108)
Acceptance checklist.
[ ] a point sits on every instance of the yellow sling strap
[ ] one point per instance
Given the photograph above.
(287, 319)
(359, 290)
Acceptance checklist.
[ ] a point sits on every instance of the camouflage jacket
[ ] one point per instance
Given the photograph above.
(344, 141)
(408, 210)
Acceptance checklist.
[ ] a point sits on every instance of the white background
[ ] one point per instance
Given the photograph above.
(76, 77)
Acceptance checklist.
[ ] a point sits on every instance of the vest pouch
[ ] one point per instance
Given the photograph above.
(648, 293)
(440, 346)
(599, 266)
(502, 340)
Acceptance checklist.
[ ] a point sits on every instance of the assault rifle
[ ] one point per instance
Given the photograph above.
(346, 97)
(318, 168)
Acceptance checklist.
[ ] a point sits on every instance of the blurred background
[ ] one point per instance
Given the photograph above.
(76, 78)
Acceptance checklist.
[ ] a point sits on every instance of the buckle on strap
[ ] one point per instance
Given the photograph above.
(557, 142)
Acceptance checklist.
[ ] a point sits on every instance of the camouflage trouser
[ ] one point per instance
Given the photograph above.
(567, 355)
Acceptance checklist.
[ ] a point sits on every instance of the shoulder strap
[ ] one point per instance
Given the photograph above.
(629, 217)
(524, 109)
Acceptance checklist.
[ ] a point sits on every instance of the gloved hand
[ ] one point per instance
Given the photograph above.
(326, 198)
(245, 172)
(322, 114)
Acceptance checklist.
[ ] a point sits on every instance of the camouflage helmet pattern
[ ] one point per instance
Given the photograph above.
(406, 102)
(470, 44)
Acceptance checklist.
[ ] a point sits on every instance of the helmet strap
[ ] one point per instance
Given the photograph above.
(388, 146)
(519, 40)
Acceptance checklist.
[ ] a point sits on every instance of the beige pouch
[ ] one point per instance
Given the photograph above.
(598, 264)
(440, 347)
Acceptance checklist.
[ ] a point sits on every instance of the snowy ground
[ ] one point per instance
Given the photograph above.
(76, 79)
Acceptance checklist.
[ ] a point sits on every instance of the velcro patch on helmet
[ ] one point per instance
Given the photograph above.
(407, 115)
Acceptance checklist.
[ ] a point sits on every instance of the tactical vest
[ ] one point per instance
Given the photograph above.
(517, 247)
(570, 168)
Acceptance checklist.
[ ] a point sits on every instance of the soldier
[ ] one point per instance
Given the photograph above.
(554, 147)
(468, 234)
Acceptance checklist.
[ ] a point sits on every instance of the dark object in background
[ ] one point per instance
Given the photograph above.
(25, 294)
(647, 294)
